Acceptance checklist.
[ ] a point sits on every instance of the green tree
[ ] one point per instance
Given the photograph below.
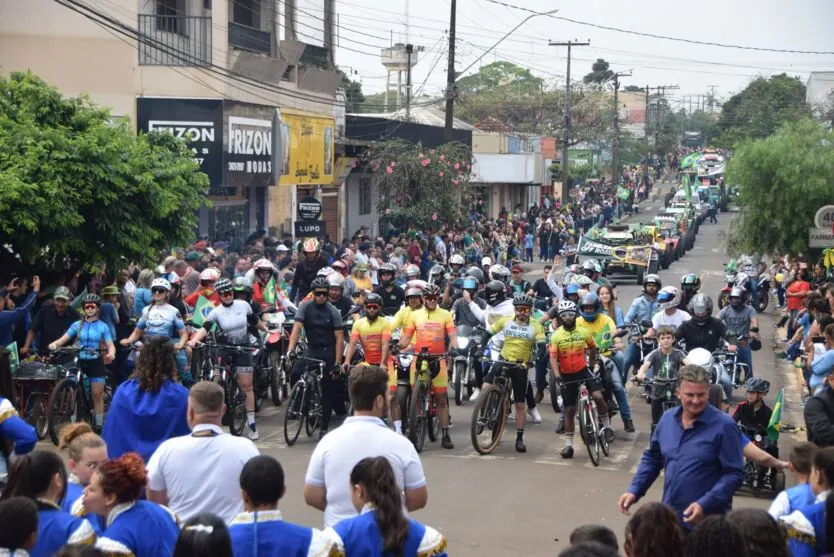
(634, 89)
(420, 186)
(78, 189)
(600, 73)
(782, 180)
(761, 108)
(353, 93)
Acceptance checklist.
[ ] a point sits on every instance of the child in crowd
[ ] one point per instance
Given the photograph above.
(801, 459)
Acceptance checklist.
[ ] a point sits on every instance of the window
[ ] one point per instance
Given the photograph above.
(170, 16)
(364, 196)
(247, 12)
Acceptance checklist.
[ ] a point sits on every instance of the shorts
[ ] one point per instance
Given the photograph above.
(570, 385)
(518, 379)
(241, 362)
(93, 369)
(440, 383)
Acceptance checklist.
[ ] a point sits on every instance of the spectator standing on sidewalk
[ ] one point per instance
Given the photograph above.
(819, 415)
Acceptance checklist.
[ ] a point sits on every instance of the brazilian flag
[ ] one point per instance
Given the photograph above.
(775, 423)
(201, 310)
(14, 357)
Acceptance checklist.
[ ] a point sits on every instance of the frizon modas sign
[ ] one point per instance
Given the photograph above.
(309, 209)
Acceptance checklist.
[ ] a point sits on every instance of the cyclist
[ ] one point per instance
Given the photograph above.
(521, 335)
(604, 329)
(567, 363)
(642, 309)
(91, 333)
(233, 318)
(430, 327)
(391, 294)
(162, 319)
(207, 279)
(690, 284)
(741, 321)
(754, 414)
(324, 329)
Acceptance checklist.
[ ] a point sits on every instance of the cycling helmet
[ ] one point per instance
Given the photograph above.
(241, 284)
(475, 273)
(436, 275)
(336, 280)
(223, 285)
(522, 299)
(325, 272)
(495, 292)
(411, 272)
(592, 300)
(652, 279)
(431, 290)
(413, 292)
(499, 272)
(373, 298)
(63, 293)
(565, 306)
(469, 283)
(668, 297)
(757, 385)
(91, 299)
(210, 274)
(311, 245)
(457, 259)
(737, 296)
(700, 308)
(319, 282)
(690, 283)
(161, 283)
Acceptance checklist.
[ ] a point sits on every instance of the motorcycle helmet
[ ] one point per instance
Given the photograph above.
(413, 292)
(757, 385)
(325, 272)
(495, 293)
(241, 284)
(589, 268)
(470, 283)
(590, 300)
(743, 280)
(700, 308)
(386, 273)
(311, 246)
(700, 357)
(411, 272)
(690, 283)
(475, 273)
(209, 275)
(263, 265)
(161, 283)
(652, 278)
(431, 291)
(572, 290)
(457, 259)
(755, 344)
(436, 275)
(737, 295)
(336, 280)
(499, 272)
(522, 299)
(668, 297)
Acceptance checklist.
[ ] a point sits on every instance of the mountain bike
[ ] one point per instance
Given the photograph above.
(492, 409)
(304, 408)
(422, 407)
(590, 429)
(216, 366)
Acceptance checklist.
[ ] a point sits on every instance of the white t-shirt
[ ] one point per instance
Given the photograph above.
(675, 320)
(359, 437)
(201, 474)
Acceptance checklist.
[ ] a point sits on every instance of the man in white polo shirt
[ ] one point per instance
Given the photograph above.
(200, 472)
(327, 485)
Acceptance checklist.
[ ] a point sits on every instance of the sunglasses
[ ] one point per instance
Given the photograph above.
(90, 306)
(226, 293)
(371, 306)
(522, 309)
(158, 290)
(430, 298)
(318, 293)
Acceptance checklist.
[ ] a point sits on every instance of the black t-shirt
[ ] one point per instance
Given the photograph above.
(754, 420)
(707, 336)
(541, 289)
(343, 305)
(320, 323)
(52, 326)
(391, 301)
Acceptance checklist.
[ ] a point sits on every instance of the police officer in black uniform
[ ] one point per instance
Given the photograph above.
(323, 328)
(392, 295)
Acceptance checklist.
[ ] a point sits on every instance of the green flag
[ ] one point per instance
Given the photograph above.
(687, 187)
(201, 311)
(14, 357)
(269, 292)
(622, 193)
(775, 423)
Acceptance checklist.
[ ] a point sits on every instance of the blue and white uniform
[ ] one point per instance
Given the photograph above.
(164, 320)
(361, 536)
(91, 335)
(74, 504)
(791, 499)
(14, 430)
(806, 528)
(57, 528)
(140, 529)
(265, 534)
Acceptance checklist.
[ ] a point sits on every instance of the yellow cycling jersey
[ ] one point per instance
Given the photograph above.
(602, 329)
(371, 336)
(430, 329)
(519, 338)
(400, 320)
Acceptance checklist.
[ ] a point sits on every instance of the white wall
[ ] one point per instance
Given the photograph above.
(521, 168)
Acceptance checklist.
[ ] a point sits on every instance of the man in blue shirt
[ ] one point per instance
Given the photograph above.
(699, 450)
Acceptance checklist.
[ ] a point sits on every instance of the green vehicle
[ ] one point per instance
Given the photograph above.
(688, 231)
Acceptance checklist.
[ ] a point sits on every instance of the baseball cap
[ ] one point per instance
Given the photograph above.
(282, 247)
(192, 256)
(516, 269)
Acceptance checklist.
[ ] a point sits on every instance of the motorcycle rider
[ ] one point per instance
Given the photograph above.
(460, 309)
(305, 271)
(703, 330)
(456, 263)
(603, 329)
(642, 309)
(207, 279)
(668, 300)
(690, 284)
(392, 295)
(243, 291)
(741, 321)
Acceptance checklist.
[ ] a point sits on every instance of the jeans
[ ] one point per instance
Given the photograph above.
(620, 394)
(631, 358)
(745, 356)
(780, 295)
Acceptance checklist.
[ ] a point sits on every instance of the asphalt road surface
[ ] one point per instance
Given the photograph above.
(528, 504)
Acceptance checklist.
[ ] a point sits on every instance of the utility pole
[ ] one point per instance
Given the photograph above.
(646, 125)
(409, 50)
(660, 92)
(565, 188)
(711, 97)
(615, 148)
(450, 78)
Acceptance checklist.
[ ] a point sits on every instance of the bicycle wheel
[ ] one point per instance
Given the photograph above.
(488, 419)
(294, 415)
(37, 417)
(403, 402)
(62, 408)
(109, 389)
(416, 416)
(313, 421)
(460, 372)
(236, 402)
(276, 380)
(603, 442)
(590, 438)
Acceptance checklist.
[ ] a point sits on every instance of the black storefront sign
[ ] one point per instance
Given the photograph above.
(200, 121)
(309, 209)
(310, 229)
(248, 146)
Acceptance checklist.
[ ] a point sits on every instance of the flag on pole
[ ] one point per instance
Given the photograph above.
(775, 423)
(687, 187)
(201, 311)
(14, 357)
(270, 294)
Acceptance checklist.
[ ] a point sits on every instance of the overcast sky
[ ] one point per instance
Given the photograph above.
(366, 26)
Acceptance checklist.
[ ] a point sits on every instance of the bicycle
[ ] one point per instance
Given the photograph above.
(422, 406)
(590, 429)
(666, 389)
(305, 401)
(215, 367)
(492, 408)
(72, 398)
(34, 383)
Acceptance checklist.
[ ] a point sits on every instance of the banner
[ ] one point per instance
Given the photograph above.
(307, 144)
(201, 311)
(629, 255)
(775, 423)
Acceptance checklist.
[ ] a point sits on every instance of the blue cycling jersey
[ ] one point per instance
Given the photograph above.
(161, 320)
(90, 335)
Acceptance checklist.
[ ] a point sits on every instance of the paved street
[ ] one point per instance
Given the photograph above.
(511, 504)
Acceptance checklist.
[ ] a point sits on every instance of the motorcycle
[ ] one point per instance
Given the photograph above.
(763, 288)
(463, 373)
(645, 344)
(275, 341)
(402, 365)
(729, 282)
(757, 478)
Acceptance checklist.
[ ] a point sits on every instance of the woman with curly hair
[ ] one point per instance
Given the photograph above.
(151, 406)
(134, 527)
(653, 530)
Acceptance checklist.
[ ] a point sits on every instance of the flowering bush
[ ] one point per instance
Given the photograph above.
(421, 186)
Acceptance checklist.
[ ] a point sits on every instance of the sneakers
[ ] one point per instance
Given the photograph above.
(539, 396)
(560, 427)
(567, 452)
(608, 433)
(533, 414)
(475, 394)
(628, 425)
(446, 443)
(253, 433)
(520, 446)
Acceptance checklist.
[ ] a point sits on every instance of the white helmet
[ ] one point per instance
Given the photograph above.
(336, 280)
(457, 259)
(210, 274)
(668, 297)
(325, 272)
(263, 264)
(161, 283)
(700, 357)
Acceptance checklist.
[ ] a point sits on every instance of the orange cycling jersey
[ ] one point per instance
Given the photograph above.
(569, 348)
(430, 329)
(371, 336)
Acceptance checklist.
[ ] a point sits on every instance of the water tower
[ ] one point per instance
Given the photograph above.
(397, 59)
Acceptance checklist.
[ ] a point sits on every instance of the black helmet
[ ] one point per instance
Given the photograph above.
(223, 285)
(589, 269)
(431, 290)
(590, 299)
(757, 385)
(495, 293)
(320, 282)
(737, 295)
(700, 307)
(91, 299)
(522, 299)
(690, 283)
(373, 298)
(475, 273)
